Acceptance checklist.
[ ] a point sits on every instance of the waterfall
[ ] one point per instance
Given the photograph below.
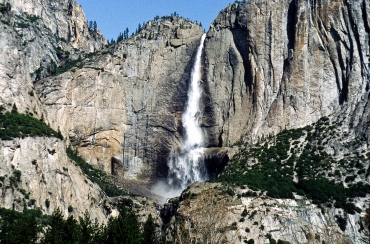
(186, 164)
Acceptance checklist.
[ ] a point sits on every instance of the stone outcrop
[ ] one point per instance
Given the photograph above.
(259, 218)
(126, 101)
(37, 172)
(64, 18)
(271, 65)
(267, 65)
(36, 37)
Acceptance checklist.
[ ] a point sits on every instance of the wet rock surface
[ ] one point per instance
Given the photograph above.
(127, 100)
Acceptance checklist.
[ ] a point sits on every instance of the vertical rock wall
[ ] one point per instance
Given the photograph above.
(48, 179)
(272, 65)
(268, 65)
(64, 18)
(33, 35)
(127, 100)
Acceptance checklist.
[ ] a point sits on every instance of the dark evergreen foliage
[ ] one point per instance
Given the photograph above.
(149, 236)
(55, 232)
(5, 7)
(95, 175)
(95, 26)
(342, 222)
(14, 124)
(120, 37)
(126, 33)
(91, 232)
(283, 242)
(70, 231)
(124, 229)
(16, 227)
(270, 168)
(68, 64)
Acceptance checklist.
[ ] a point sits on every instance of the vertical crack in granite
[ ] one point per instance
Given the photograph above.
(310, 53)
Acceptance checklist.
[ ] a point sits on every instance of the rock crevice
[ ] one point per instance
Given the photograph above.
(299, 61)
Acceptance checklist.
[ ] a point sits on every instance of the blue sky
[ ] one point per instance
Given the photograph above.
(113, 16)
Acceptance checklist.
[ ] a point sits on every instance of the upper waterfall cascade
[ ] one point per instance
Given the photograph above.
(186, 164)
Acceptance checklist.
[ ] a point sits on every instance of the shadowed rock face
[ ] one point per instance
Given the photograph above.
(31, 35)
(268, 65)
(215, 160)
(272, 65)
(127, 100)
(47, 175)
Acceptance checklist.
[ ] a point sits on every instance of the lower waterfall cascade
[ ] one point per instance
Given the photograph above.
(186, 164)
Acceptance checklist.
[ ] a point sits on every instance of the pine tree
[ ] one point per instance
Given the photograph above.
(120, 37)
(71, 231)
(149, 236)
(14, 108)
(126, 33)
(124, 229)
(134, 233)
(90, 232)
(95, 26)
(16, 227)
(54, 234)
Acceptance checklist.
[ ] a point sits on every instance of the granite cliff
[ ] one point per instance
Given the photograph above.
(123, 106)
(271, 65)
(35, 36)
(267, 66)
(48, 179)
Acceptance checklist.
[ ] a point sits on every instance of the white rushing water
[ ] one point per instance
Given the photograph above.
(186, 164)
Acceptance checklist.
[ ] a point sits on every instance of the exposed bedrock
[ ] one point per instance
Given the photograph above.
(126, 101)
(267, 65)
(33, 34)
(271, 65)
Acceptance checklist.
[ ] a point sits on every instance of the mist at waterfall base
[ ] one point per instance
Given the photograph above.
(186, 163)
